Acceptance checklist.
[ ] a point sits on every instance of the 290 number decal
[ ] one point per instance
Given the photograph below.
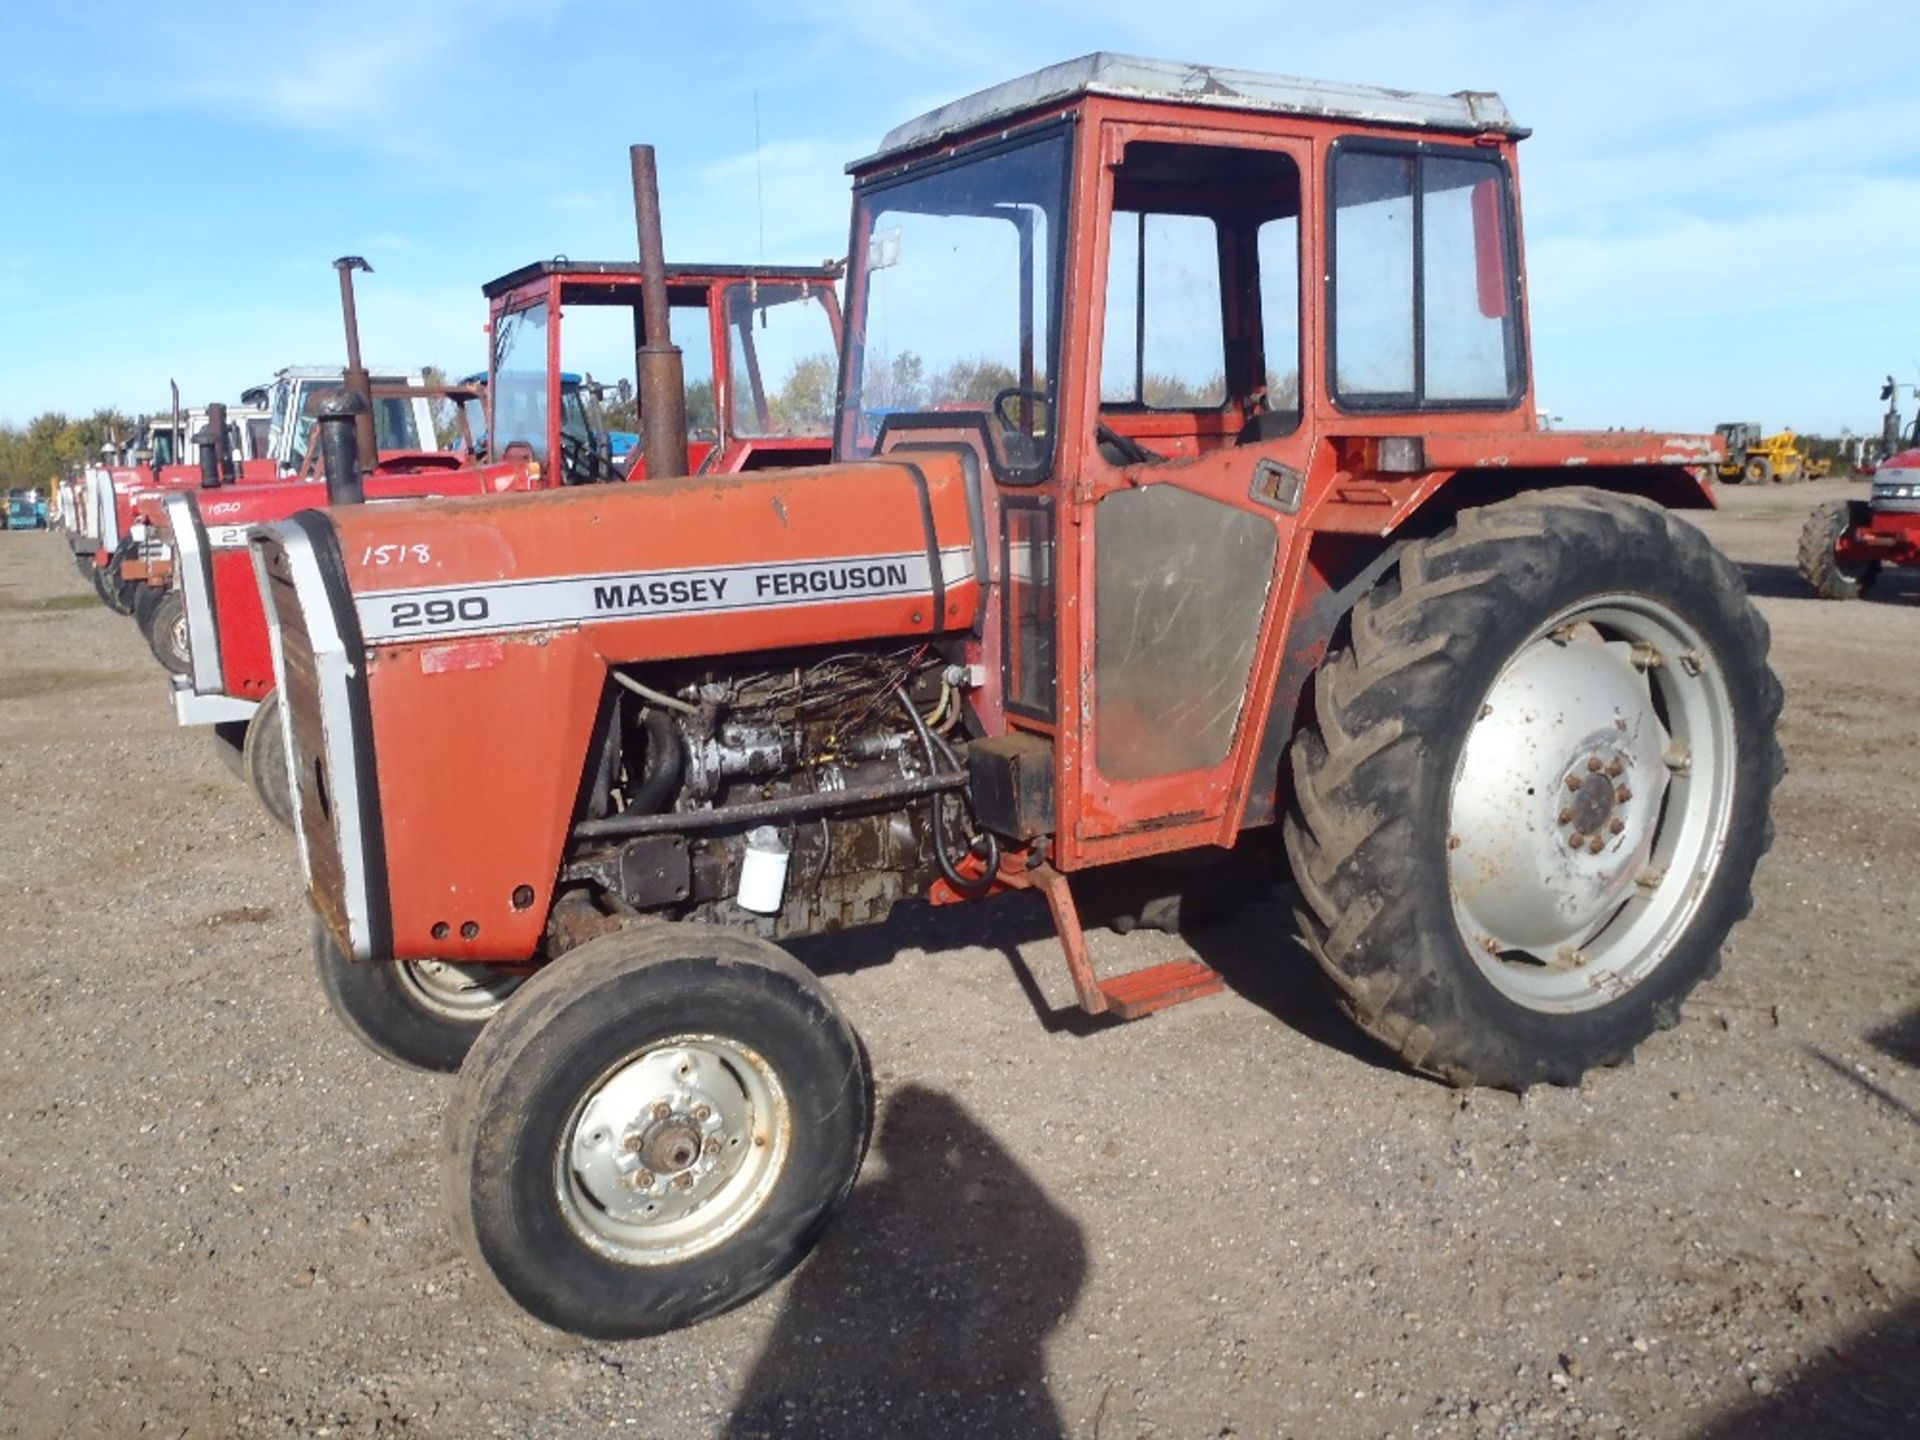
(410, 613)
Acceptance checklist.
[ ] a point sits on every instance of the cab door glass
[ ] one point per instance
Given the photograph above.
(1163, 348)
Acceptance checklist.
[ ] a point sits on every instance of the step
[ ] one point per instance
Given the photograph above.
(1141, 992)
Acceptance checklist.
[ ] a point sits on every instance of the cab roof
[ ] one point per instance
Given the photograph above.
(1133, 77)
(630, 270)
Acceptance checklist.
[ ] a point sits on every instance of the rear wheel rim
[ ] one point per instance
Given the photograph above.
(1590, 804)
(673, 1150)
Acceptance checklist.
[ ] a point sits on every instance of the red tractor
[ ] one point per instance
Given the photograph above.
(1845, 544)
(542, 434)
(1186, 501)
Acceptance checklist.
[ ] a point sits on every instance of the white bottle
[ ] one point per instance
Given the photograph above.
(763, 872)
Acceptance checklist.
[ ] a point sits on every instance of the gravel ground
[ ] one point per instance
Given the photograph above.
(219, 1215)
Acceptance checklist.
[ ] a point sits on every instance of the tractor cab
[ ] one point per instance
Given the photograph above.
(402, 415)
(759, 345)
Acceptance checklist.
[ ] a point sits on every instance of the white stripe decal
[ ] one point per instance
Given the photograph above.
(650, 594)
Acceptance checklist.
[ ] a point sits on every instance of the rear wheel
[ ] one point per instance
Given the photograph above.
(145, 599)
(422, 1013)
(654, 1130)
(263, 759)
(167, 633)
(118, 592)
(1819, 553)
(1529, 805)
(1759, 471)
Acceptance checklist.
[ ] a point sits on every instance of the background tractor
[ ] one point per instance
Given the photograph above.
(1755, 459)
(1186, 503)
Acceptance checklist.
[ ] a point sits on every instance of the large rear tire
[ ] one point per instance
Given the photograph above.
(1535, 787)
(145, 599)
(1759, 471)
(1819, 554)
(263, 759)
(421, 1013)
(167, 633)
(654, 1130)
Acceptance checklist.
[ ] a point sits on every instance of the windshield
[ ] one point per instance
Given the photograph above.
(519, 383)
(780, 359)
(394, 424)
(954, 299)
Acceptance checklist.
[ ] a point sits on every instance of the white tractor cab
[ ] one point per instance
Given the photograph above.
(401, 422)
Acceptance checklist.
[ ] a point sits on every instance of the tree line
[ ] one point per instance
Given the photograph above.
(34, 455)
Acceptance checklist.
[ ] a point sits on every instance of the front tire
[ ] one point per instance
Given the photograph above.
(1536, 785)
(425, 1014)
(263, 760)
(655, 1130)
(1819, 555)
(167, 633)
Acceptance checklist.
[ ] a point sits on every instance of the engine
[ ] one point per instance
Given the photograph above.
(792, 794)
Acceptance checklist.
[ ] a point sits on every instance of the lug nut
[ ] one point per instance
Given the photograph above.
(1616, 767)
(1596, 845)
(1566, 816)
(1594, 763)
(1576, 840)
(712, 1146)
(661, 1110)
(1573, 782)
(703, 1113)
(683, 1181)
(1616, 825)
(1622, 795)
(631, 1144)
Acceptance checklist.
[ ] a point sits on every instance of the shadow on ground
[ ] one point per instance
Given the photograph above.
(926, 1308)
(1780, 580)
(1866, 1388)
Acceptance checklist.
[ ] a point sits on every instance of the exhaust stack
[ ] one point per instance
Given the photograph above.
(358, 382)
(663, 391)
(341, 415)
(179, 430)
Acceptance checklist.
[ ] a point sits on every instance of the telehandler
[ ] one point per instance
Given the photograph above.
(1186, 499)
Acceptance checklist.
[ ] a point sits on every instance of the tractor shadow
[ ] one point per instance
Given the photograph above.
(1866, 1385)
(1255, 949)
(926, 1308)
(1774, 580)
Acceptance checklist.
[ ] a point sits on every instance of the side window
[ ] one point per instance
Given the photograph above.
(1164, 347)
(1026, 559)
(1423, 299)
(1278, 243)
(781, 363)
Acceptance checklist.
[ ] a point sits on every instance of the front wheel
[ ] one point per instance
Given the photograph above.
(1537, 782)
(421, 1013)
(263, 760)
(654, 1130)
(1819, 554)
(167, 633)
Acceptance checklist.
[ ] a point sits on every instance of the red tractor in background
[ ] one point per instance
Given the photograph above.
(1186, 501)
(1845, 544)
(742, 325)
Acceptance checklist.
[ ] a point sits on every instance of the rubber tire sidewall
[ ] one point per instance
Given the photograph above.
(263, 758)
(557, 1037)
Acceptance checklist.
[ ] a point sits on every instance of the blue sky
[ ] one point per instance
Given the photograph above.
(1722, 200)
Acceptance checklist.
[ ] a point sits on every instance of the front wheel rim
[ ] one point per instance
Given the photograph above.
(467, 992)
(1591, 804)
(673, 1150)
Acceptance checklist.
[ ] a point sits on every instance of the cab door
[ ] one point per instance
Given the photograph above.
(1189, 494)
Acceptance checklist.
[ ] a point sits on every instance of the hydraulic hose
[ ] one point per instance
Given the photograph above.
(976, 885)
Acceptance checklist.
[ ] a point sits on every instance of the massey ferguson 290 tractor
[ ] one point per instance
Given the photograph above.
(1186, 499)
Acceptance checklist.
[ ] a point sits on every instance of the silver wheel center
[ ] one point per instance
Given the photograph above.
(1601, 764)
(460, 992)
(674, 1150)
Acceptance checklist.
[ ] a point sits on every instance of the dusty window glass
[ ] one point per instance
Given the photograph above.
(519, 399)
(1373, 274)
(1463, 249)
(1026, 562)
(1180, 588)
(1278, 244)
(781, 365)
(1164, 346)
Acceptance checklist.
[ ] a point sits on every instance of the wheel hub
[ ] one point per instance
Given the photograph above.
(671, 1150)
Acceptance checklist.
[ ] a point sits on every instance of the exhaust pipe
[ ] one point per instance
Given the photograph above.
(179, 430)
(358, 381)
(340, 415)
(663, 390)
(222, 443)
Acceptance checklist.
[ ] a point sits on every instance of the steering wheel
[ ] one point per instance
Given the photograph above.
(1017, 392)
(580, 461)
(1125, 449)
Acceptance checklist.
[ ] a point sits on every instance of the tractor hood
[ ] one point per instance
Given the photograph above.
(691, 567)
